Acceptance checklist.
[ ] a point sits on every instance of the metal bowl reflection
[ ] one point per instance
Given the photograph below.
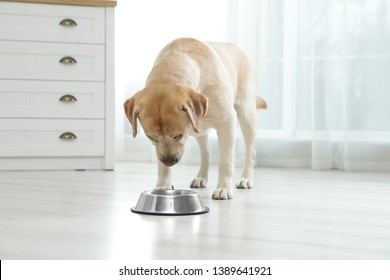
(169, 202)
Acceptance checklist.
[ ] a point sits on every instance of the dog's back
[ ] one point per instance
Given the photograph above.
(205, 65)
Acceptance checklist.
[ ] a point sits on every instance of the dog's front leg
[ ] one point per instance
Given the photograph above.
(203, 174)
(164, 177)
(226, 164)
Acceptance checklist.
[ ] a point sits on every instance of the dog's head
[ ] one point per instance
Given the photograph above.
(167, 115)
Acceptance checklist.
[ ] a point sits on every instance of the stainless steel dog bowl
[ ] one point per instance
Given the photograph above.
(170, 202)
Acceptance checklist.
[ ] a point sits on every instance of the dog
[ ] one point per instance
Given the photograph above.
(193, 87)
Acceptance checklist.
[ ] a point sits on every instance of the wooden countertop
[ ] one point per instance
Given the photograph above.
(98, 3)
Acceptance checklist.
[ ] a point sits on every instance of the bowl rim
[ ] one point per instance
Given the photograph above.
(170, 192)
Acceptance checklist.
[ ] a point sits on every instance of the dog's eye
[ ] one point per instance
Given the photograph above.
(177, 137)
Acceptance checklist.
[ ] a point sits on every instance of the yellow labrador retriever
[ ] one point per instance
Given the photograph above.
(195, 86)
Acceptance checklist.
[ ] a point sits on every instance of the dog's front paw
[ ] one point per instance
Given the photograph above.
(244, 183)
(198, 183)
(222, 194)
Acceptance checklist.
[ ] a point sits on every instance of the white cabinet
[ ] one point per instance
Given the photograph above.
(56, 85)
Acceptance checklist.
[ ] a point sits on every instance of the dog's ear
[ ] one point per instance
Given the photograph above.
(132, 113)
(196, 107)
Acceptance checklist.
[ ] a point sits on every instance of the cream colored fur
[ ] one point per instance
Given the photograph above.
(193, 87)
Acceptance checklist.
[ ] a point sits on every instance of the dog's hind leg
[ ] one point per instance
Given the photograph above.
(247, 118)
(201, 179)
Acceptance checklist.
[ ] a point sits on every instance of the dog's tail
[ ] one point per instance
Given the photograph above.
(260, 103)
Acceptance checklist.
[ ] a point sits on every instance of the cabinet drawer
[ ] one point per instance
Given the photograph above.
(51, 99)
(49, 61)
(39, 22)
(42, 138)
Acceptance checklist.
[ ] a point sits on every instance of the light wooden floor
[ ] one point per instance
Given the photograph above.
(290, 214)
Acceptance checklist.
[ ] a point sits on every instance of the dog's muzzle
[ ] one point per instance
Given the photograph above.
(169, 161)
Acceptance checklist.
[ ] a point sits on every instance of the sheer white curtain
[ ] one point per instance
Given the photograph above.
(322, 65)
(324, 68)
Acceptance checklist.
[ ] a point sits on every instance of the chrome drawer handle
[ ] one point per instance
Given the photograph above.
(68, 136)
(68, 98)
(68, 60)
(68, 22)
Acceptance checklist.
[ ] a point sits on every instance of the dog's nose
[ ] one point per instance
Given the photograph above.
(169, 161)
